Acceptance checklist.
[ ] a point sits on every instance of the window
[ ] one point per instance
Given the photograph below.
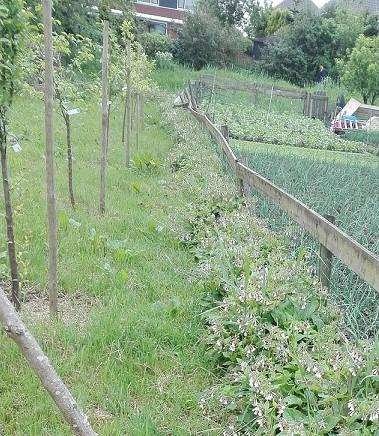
(157, 27)
(185, 4)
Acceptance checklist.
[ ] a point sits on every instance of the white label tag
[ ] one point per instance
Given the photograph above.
(73, 112)
(109, 103)
(16, 147)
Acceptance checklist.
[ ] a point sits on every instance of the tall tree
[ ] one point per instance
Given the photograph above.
(304, 45)
(361, 71)
(11, 27)
(259, 15)
(229, 12)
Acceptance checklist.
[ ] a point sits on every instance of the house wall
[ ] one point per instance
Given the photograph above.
(168, 15)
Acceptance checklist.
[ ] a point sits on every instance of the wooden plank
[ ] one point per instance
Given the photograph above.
(351, 253)
(218, 136)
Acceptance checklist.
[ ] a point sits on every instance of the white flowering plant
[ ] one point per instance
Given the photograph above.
(277, 341)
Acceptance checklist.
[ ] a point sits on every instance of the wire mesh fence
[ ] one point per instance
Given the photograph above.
(344, 185)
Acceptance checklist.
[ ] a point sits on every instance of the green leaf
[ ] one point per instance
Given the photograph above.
(294, 415)
(292, 400)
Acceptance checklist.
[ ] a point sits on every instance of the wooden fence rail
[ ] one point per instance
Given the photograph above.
(332, 239)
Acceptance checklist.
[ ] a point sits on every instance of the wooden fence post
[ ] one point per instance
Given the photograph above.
(225, 132)
(255, 95)
(325, 262)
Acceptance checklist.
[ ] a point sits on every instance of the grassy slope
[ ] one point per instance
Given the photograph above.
(136, 366)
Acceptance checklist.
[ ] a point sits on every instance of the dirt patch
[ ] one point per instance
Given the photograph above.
(73, 310)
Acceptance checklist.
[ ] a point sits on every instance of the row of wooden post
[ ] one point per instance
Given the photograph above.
(128, 117)
(325, 256)
(8, 317)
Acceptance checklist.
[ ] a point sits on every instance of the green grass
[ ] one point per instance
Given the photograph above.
(369, 137)
(177, 76)
(138, 365)
(341, 184)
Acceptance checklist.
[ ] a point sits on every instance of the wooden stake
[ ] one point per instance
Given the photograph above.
(9, 220)
(127, 123)
(69, 160)
(105, 115)
(142, 111)
(40, 364)
(138, 101)
(50, 176)
(326, 257)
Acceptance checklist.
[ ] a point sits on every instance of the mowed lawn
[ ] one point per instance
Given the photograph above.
(128, 341)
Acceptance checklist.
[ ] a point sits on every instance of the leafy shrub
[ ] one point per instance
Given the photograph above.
(153, 42)
(164, 60)
(204, 41)
(251, 124)
(285, 365)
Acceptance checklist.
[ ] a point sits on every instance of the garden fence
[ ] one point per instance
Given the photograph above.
(314, 105)
(333, 241)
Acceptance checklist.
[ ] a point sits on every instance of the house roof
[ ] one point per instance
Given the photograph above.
(300, 5)
(358, 5)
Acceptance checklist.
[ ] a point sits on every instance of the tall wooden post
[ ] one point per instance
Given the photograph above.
(50, 176)
(138, 98)
(67, 120)
(326, 257)
(127, 123)
(105, 112)
(142, 111)
(9, 220)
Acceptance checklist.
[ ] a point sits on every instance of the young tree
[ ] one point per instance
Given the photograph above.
(11, 27)
(361, 71)
(50, 171)
(72, 55)
(105, 12)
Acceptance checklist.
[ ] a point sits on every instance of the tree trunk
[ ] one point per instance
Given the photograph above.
(50, 176)
(40, 364)
(69, 160)
(105, 118)
(10, 235)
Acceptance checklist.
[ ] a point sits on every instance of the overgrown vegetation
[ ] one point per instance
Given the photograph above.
(333, 183)
(204, 41)
(285, 365)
